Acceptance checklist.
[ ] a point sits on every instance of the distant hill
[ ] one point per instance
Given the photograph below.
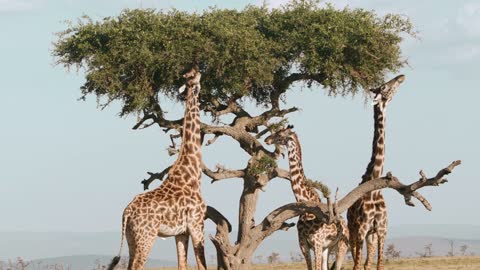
(71, 247)
(468, 232)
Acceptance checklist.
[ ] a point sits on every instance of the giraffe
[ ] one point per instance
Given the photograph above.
(176, 208)
(367, 217)
(312, 234)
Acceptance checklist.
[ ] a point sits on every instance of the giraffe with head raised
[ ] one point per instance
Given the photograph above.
(312, 233)
(175, 208)
(367, 217)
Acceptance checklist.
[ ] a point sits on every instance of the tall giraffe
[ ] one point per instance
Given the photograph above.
(367, 217)
(312, 234)
(176, 208)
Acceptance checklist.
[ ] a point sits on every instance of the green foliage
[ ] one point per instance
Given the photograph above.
(263, 165)
(139, 54)
(274, 127)
(318, 185)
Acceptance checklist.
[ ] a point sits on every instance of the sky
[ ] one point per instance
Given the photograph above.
(66, 165)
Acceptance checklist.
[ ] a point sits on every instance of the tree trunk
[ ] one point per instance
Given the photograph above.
(247, 208)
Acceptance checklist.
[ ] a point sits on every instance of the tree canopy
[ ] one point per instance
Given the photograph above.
(255, 52)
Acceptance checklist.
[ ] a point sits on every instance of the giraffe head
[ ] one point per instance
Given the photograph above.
(383, 94)
(281, 137)
(193, 81)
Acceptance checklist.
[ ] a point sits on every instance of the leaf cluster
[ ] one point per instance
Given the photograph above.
(318, 185)
(262, 165)
(139, 54)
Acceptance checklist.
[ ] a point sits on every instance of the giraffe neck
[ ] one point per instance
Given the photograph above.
(375, 167)
(300, 188)
(190, 151)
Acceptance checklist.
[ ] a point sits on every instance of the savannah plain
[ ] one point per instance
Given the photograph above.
(434, 263)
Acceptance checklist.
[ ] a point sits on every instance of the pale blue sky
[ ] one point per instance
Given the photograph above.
(65, 165)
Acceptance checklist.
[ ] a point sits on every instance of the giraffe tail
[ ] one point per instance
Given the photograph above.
(114, 262)
(116, 259)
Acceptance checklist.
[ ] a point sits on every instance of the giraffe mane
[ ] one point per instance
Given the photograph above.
(299, 147)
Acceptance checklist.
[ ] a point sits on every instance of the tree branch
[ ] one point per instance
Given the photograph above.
(263, 118)
(219, 109)
(278, 172)
(222, 222)
(155, 176)
(329, 213)
(276, 219)
(390, 181)
(221, 173)
(282, 85)
(221, 239)
(213, 140)
(140, 124)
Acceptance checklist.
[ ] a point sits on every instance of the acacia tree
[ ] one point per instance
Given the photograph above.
(251, 54)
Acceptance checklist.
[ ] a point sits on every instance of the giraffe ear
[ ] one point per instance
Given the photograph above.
(182, 89)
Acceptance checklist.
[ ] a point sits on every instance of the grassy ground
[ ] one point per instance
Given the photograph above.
(436, 263)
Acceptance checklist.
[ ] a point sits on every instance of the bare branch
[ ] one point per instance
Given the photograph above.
(157, 117)
(275, 220)
(247, 141)
(172, 149)
(219, 219)
(141, 123)
(221, 173)
(282, 85)
(330, 208)
(155, 176)
(335, 206)
(263, 118)
(213, 140)
(219, 109)
(390, 181)
(278, 172)
(422, 174)
(261, 133)
(286, 226)
(221, 239)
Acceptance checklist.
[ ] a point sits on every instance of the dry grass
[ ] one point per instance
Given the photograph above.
(435, 263)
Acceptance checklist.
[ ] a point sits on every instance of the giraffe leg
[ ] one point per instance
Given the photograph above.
(304, 247)
(371, 241)
(341, 251)
(139, 254)
(196, 232)
(182, 249)
(352, 232)
(353, 246)
(358, 252)
(381, 242)
(318, 252)
(132, 250)
(325, 259)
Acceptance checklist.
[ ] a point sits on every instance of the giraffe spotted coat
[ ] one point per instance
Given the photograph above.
(312, 233)
(367, 217)
(175, 208)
